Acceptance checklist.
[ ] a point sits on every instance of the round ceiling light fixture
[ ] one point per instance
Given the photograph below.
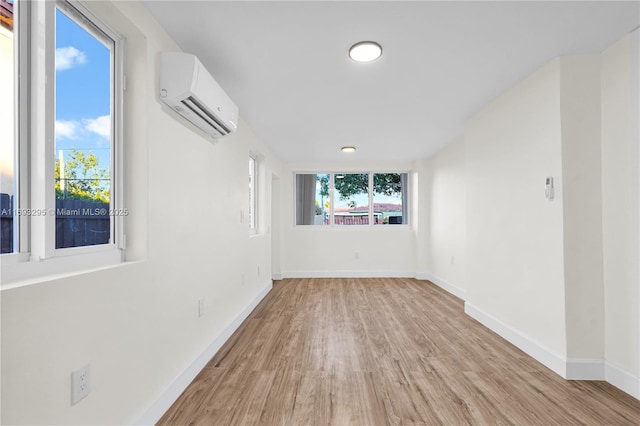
(348, 149)
(365, 51)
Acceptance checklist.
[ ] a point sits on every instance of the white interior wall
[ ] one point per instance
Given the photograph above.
(620, 213)
(442, 236)
(582, 205)
(276, 223)
(137, 323)
(576, 119)
(420, 195)
(320, 251)
(514, 254)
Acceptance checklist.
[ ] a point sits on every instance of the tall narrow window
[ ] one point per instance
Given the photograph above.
(351, 198)
(389, 198)
(252, 194)
(84, 131)
(61, 69)
(8, 139)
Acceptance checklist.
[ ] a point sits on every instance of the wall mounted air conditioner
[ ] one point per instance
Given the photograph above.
(188, 88)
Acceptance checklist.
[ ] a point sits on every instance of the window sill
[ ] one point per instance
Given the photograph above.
(19, 270)
(351, 228)
(259, 234)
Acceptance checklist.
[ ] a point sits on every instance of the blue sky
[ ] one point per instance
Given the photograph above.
(82, 90)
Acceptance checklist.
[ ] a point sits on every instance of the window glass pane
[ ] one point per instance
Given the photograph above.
(312, 199)
(351, 198)
(252, 194)
(389, 195)
(8, 141)
(83, 133)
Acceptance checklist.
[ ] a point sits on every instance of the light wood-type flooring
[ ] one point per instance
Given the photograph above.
(381, 351)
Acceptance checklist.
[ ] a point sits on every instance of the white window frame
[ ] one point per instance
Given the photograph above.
(405, 199)
(332, 188)
(36, 255)
(253, 199)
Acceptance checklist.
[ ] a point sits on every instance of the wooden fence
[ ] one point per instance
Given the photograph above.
(78, 223)
(81, 223)
(6, 223)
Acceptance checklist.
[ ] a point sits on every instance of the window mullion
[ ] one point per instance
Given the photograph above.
(42, 122)
(370, 198)
(119, 81)
(331, 198)
(22, 119)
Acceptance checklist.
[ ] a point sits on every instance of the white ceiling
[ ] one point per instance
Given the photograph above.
(285, 65)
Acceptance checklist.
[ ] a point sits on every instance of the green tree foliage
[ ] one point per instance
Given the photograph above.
(387, 184)
(358, 183)
(324, 185)
(350, 184)
(84, 179)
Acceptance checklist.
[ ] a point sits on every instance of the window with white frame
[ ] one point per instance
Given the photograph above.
(63, 185)
(346, 199)
(313, 205)
(253, 198)
(8, 136)
(389, 197)
(351, 201)
(84, 95)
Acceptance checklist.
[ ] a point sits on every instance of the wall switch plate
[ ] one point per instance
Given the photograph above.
(80, 383)
(200, 307)
(548, 188)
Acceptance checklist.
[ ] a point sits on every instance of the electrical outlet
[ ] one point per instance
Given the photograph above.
(453, 260)
(80, 383)
(200, 307)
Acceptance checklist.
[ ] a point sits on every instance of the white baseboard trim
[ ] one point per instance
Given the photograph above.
(622, 379)
(348, 274)
(541, 353)
(585, 369)
(180, 383)
(443, 284)
(277, 277)
(571, 368)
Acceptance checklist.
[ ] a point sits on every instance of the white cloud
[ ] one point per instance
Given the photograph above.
(80, 129)
(100, 125)
(66, 129)
(69, 57)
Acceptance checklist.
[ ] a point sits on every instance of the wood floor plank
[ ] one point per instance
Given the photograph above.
(383, 351)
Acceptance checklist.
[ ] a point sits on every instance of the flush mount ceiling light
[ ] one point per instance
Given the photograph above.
(348, 148)
(365, 51)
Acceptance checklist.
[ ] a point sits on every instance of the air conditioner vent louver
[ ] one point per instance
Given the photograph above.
(207, 116)
(188, 88)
